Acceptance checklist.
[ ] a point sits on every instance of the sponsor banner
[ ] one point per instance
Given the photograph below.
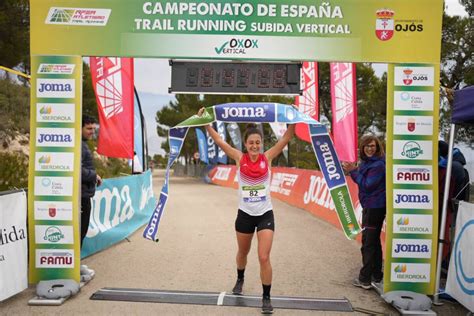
(211, 149)
(54, 161)
(410, 272)
(413, 100)
(412, 224)
(344, 109)
(53, 234)
(55, 258)
(283, 183)
(120, 206)
(221, 156)
(55, 88)
(202, 145)
(13, 244)
(55, 137)
(235, 135)
(112, 79)
(78, 16)
(54, 186)
(414, 76)
(412, 125)
(356, 31)
(56, 69)
(55, 149)
(53, 211)
(412, 177)
(411, 248)
(322, 145)
(460, 283)
(413, 149)
(55, 112)
(308, 102)
(413, 199)
(413, 174)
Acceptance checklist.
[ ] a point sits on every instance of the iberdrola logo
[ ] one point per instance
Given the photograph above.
(401, 268)
(46, 110)
(403, 221)
(384, 25)
(45, 159)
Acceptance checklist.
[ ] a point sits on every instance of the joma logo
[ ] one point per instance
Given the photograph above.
(411, 248)
(61, 87)
(54, 138)
(243, 112)
(412, 198)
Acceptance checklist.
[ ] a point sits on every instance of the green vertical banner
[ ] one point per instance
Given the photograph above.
(54, 168)
(412, 178)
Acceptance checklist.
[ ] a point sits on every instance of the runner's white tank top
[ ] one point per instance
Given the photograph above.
(254, 185)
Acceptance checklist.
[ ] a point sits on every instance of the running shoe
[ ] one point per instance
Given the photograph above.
(267, 307)
(237, 290)
(359, 283)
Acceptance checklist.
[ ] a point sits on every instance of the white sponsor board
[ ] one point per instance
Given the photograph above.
(222, 174)
(413, 174)
(55, 137)
(53, 210)
(55, 88)
(413, 100)
(53, 161)
(411, 248)
(55, 258)
(283, 182)
(55, 186)
(55, 112)
(78, 16)
(410, 272)
(413, 199)
(414, 76)
(13, 246)
(412, 125)
(413, 149)
(54, 234)
(56, 69)
(412, 224)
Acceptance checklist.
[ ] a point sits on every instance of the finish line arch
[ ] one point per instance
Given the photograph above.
(404, 33)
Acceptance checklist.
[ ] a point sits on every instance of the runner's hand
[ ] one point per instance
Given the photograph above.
(201, 111)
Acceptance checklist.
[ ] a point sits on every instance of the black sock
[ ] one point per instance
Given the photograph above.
(240, 274)
(266, 290)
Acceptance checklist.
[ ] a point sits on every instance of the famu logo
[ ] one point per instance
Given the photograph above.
(410, 272)
(53, 234)
(412, 174)
(55, 88)
(55, 112)
(411, 248)
(56, 69)
(236, 46)
(412, 150)
(54, 258)
(78, 16)
(412, 224)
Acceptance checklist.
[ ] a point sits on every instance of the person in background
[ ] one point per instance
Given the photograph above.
(89, 180)
(255, 206)
(370, 178)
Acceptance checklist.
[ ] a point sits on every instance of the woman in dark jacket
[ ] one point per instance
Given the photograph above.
(370, 178)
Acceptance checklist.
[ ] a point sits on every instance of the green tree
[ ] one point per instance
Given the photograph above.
(89, 102)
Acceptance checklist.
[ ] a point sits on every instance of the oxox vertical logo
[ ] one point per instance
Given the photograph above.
(283, 183)
(46, 234)
(55, 137)
(55, 112)
(411, 248)
(55, 88)
(413, 199)
(52, 161)
(245, 112)
(412, 125)
(108, 87)
(78, 16)
(53, 210)
(412, 150)
(55, 186)
(222, 173)
(412, 224)
(414, 76)
(55, 258)
(384, 25)
(408, 174)
(410, 272)
(236, 46)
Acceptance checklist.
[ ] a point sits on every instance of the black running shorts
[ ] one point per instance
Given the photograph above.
(246, 223)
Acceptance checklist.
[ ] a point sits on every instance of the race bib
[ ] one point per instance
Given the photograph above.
(252, 194)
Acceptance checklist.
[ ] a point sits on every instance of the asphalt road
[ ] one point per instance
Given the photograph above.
(196, 252)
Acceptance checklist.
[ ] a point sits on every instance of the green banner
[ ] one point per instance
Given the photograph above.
(412, 178)
(342, 30)
(54, 167)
